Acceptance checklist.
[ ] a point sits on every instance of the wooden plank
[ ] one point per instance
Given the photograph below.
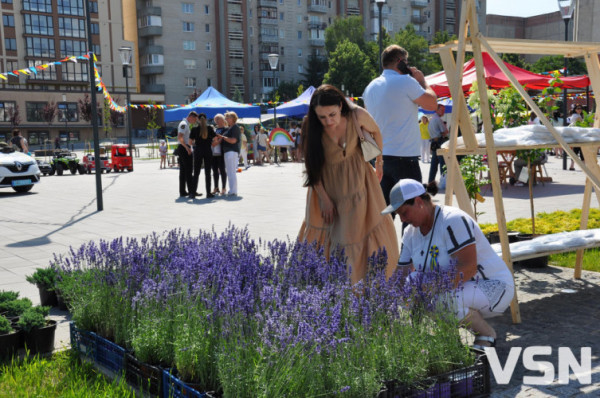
(593, 66)
(585, 211)
(461, 150)
(595, 179)
(462, 197)
(557, 251)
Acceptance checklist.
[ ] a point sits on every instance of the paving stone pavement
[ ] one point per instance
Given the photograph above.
(61, 212)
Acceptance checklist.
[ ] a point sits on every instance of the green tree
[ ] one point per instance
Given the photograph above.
(300, 90)
(237, 95)
(152, 116)
(350, 28)
(106, 122)
(516, 60)
(315, 70)
(549, 63)
(417, 47)
(349, 66)
(287, 90)
(372, 48)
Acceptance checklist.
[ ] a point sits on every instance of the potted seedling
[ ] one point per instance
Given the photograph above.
(39, 331)
(45, 279)
(9, 338)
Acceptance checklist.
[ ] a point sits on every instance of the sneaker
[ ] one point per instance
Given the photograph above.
(210, 195)
(519, 184)
(232, 194)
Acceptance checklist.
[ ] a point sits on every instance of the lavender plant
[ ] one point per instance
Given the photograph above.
(253, 319)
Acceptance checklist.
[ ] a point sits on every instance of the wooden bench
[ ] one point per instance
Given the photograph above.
(552, 244)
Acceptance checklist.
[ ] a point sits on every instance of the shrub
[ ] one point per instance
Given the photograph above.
(5, 326)
(44, 277)
(33, 318)
(15, 307)
(8, 296)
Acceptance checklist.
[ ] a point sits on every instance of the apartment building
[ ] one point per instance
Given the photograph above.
(36, 32)
(189, 45)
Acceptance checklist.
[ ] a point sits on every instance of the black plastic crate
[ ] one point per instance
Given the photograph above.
(145, 377)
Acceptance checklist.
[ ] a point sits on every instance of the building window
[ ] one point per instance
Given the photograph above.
(187, 8)
(251, 31)
(282, 51)
(8, 20)
(282, 67)
(299, 52)
(208, 46)
(153, 59)
(72, 47)
(6, 110)
(207, 28)
(45, 74)
(190, 82)
(206, 10)
(95, 29)
(270, 82)
(188, 26)
(73, 136)
(189, 45)
(208, 83)
(38, 137)
(281, 16)
(299, 34)
(189, 63)
(7, 1)
(40, 47)
(299, 17)
(251, 66)
(96, 49)
(38, 24)
(281, 34)
(75, 72)
(35, 111)
(71, 27)
(150, 20)
(251, 49)
(93, 7)
(67, 112)
(300, 69)
(208, 64)
(10, 44)
(37, 5)
(70, 7)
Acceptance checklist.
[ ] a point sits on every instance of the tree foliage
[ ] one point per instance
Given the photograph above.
(315, 71)
(417, 47)
(575, 66)
(85, 108)
(152, 116)
(237, 95)
(349, 66)
(350, 28)
(287, 90)
(14, 117)
(49, 112)
(106, 122)
(516, 60)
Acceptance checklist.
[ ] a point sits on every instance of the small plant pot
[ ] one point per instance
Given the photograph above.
(536, 262)
(494, 236)
(10, 343)
(41, 340)
(60, 302)
(47, 297)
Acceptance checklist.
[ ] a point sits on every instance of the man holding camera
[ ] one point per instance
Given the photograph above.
(393, 99)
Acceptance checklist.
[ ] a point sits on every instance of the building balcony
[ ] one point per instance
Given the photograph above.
(450, 4)
(153, 88)
(269, 38)
(152, 69)
(234, 1)
(267, 21)
(267, 3)
(353, 11)
(317, 42)
(150, 11)
(317, 25)
(418, 19)
(148, 31)
(151, 49)
(418, 3)
(318, 8)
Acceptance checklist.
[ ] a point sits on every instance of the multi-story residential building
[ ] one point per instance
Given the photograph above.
(36, 32)
(189, 45)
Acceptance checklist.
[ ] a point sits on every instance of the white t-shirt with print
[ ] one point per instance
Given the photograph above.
(453, 230)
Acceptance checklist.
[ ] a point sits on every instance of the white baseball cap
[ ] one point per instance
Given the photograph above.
(404, 190)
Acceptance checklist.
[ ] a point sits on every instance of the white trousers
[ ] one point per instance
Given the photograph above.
(244, 155)
(425, 151)
(231, 163)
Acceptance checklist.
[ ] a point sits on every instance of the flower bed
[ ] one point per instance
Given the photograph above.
(246, 319)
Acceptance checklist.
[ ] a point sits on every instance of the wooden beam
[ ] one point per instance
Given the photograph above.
(585, 211)
(593, 66)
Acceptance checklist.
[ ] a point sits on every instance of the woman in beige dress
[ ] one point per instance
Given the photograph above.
(344, 197)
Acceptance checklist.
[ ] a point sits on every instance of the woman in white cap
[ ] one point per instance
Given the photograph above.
(438, 236)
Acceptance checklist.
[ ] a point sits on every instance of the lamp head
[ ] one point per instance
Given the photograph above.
(273, 60)
(380, 2)
(125, 53)
(566, 8)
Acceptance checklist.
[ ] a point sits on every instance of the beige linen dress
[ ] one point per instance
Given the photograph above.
(358, 228)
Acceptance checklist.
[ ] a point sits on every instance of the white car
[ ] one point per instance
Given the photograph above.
(17, 170)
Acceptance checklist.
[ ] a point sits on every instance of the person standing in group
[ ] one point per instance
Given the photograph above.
(19, 142)
(202, 136)
(393, 100)
(576, 116)
(231, 142)
(438, 133)
(425, 143)
(344, 198)
(244, 148)
(184, 151)
(299, 142)
(218, 162)
(162, 151)
(261, 147)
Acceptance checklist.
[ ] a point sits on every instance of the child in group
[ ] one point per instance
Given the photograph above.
(162, 150)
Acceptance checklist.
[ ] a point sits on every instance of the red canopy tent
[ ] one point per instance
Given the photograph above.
(496, 79)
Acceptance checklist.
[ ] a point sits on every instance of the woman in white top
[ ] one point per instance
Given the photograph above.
(438, 236)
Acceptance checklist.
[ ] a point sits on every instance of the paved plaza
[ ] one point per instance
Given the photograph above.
(61, 212)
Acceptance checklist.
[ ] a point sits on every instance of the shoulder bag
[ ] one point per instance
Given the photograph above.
(369, 147)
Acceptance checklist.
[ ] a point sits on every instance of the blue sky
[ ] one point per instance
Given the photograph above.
(521, 8)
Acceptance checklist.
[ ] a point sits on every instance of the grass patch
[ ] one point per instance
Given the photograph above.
(62, 375)
(555, 222)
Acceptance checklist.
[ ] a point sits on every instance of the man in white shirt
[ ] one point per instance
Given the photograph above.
(393, 100)
(437, 133)
(184, 151)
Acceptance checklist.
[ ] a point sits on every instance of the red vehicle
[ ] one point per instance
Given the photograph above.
(90, 164)
(121, 158)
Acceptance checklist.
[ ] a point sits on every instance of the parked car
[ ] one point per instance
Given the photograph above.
(18, 171)
(45, 167)
(121, 158)
(89, 163)
(65, 160)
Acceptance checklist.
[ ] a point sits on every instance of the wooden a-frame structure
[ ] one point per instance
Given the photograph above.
(471, 39)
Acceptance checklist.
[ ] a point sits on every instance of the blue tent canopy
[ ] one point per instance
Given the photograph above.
(447, 102)
(212, 102)
(296, 107)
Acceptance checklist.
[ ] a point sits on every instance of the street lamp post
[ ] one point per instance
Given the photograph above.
(380, 4)
(274, 64)
(566, 8)
(126, 54)
(66, 117)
